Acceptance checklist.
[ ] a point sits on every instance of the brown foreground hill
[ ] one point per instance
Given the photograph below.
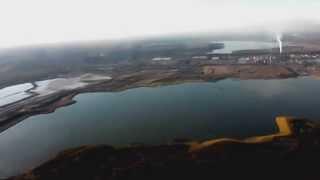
(292, 153)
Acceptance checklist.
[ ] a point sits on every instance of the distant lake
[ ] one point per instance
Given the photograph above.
(230, 46)
(227, 108)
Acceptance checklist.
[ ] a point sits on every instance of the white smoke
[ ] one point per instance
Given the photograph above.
(279, 40)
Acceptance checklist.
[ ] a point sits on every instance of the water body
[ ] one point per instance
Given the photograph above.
(230, 46)
(228, 108)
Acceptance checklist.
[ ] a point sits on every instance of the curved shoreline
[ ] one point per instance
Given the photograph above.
(21, 110)
(284, 124)
(294, 146)
(15, 113)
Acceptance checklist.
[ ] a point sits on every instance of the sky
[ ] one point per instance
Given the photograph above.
(25, 22)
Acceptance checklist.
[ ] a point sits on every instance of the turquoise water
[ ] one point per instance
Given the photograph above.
(231, 108)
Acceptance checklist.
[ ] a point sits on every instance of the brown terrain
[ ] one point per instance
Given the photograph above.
(292, 153)
(249, 71)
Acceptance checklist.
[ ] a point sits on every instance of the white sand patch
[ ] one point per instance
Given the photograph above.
(54, 85)
(161, 59)
(94, 77)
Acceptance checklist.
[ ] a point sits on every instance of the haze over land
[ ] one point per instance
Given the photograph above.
(44, 21)
(177, 71)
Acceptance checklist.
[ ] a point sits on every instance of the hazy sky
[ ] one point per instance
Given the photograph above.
(42, 21)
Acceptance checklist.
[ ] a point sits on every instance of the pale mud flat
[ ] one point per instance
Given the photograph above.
(14, 93)
(54, 85)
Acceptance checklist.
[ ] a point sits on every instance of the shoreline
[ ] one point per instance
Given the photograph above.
(272, 152)
(17, 112)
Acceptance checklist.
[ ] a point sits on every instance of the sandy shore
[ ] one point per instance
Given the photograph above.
(290, 154)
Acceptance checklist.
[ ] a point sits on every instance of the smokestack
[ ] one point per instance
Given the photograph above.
(279, 40)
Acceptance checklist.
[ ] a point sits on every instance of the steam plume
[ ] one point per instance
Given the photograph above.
(279, 40)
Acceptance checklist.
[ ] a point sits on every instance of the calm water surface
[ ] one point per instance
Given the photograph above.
(230, 46)
(231, 108)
